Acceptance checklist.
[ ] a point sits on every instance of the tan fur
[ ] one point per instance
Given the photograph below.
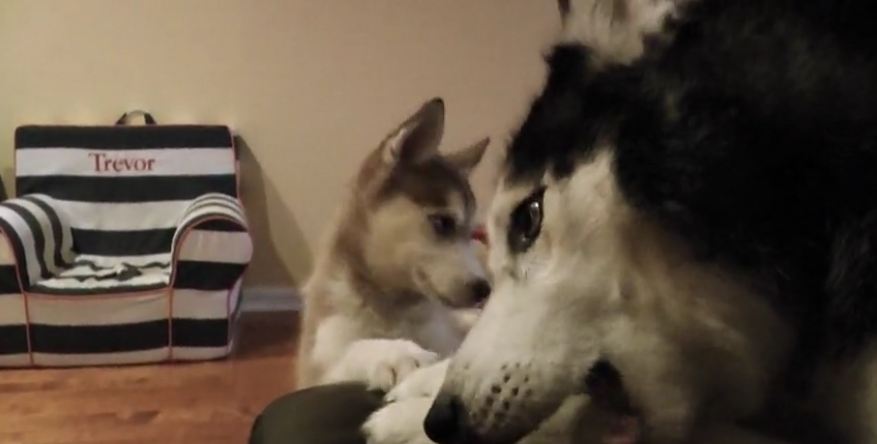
(385, 296)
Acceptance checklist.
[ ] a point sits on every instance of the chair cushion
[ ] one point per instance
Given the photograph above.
(101, 275)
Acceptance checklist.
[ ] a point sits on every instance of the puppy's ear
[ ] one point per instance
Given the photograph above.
(466, 159)
(416, 139)
(563, 6)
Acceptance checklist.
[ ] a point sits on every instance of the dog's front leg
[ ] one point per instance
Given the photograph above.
(399, 422)
(379, 363)
(424, 382)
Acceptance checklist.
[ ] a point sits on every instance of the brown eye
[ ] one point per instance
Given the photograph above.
(443, 225)
(526, 222)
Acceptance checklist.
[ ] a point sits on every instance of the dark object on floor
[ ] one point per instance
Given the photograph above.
(330, 414)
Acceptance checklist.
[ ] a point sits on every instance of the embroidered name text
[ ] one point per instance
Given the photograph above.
(104, 163)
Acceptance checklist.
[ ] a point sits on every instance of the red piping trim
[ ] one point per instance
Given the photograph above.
(23, 298)
(228, 314)
(173, 278)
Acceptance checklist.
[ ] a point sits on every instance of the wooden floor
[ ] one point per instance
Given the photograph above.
(210, 402)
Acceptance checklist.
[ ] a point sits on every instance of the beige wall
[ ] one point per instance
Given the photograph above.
(311, 85)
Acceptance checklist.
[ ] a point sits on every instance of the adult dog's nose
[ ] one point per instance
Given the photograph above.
(445, 422)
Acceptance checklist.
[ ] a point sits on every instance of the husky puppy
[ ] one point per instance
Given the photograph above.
(399, 267)
(690, 201)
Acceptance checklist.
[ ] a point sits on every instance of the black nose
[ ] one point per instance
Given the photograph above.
(480, 289)
(444, 422)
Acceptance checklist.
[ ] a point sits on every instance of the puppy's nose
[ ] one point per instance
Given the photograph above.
(445, 421)
(480, 289)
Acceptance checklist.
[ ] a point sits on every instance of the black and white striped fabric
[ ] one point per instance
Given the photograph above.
(127, 245)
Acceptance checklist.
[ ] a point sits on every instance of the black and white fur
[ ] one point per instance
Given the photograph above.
(691, 200)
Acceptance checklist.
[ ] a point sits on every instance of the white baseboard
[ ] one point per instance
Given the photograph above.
(261, 299)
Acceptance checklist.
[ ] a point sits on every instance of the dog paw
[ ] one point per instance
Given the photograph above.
(398, 423)
(398, 359)
(424, 382)
(380, 364)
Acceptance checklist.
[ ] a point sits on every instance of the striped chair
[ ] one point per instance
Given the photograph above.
(127, 244)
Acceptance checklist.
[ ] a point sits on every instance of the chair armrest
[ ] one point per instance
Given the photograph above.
(39, 236)
(212, 233)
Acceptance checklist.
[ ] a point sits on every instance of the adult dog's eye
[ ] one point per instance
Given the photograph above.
(526, 222)
(443, 225)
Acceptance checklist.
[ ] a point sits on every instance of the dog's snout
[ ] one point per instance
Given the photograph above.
(445, 422)
(480, 289)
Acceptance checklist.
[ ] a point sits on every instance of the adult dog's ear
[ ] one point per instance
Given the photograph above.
(614, 30)
(466, 159)
(418, 138)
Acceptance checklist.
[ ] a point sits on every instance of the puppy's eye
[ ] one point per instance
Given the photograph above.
(526, 222)
(443, 225)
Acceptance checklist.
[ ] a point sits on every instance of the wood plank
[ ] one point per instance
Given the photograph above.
(207, 402)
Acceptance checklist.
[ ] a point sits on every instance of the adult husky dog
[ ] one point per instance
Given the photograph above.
(399, 265)
(692, 202)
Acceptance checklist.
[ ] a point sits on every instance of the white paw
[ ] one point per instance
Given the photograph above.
(383, 363)
(380, 364)
(422, 383)
(398, 423)
(394, 360)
